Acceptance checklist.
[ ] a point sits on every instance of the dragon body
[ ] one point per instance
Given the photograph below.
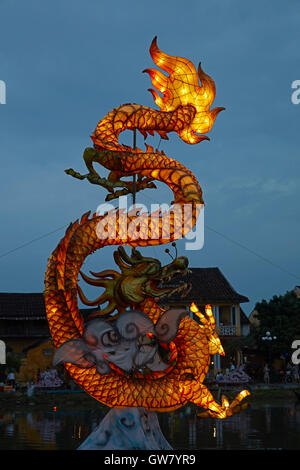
(184, 108)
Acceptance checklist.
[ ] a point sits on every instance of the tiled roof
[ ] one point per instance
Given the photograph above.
(26, 306)
(209, 285)
(244, 319)
(22, 306)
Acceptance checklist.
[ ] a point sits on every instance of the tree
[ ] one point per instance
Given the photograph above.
(239, 343)
(281, 317)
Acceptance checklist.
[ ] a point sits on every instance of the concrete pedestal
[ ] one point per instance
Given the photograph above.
(127, 429)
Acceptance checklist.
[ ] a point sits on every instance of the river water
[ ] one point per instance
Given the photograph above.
(260, 427)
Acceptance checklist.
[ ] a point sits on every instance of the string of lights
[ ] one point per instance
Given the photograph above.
(244, 247)
(32, 241)
(231, 240)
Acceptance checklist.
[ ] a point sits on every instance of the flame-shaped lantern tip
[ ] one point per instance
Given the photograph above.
(194, 308)
(208, 309)
(216, 111)
(153, 44)
(181, 89)
(244, 393)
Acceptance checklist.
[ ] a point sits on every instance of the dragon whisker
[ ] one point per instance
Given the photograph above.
(94, 282)
(106, 273)
(100, 300)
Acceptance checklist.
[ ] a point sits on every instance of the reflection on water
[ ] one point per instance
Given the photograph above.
(260, 427)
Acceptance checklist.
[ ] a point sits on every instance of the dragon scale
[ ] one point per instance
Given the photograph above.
(184, 109)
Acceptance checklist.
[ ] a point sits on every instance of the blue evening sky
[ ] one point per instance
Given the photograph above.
(67, 63)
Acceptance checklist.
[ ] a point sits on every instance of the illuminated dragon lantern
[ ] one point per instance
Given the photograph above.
(132, 352)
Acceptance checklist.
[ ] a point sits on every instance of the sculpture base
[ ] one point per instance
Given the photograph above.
(127, 429)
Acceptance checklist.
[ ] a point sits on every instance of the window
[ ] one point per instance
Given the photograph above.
(233, 316)
(221, 316)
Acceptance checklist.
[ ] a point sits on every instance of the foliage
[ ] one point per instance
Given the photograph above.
(236, 344)
(281, 317)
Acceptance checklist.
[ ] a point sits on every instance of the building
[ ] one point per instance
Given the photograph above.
(24, 327)
(254, 321)
(245, 323)
(25, 332)
(22, 320)
(297, 291)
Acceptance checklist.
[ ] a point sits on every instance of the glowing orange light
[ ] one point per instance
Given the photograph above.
(208, 310)
(185, 109)
(194, 308)
(183, 81)
(244, 393)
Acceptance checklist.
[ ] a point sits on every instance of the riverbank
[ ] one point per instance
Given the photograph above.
(260, 393)
(51, 400)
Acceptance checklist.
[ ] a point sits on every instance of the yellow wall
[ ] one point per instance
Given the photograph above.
(18, 344)
(37, 358)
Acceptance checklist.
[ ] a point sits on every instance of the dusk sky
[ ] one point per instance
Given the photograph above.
(66, 64)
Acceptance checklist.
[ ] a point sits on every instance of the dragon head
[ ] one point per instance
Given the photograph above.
(182, 88)
(140, 277)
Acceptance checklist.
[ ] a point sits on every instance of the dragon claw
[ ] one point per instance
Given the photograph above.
(127, 188)
(226, 409)
(112, 182)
